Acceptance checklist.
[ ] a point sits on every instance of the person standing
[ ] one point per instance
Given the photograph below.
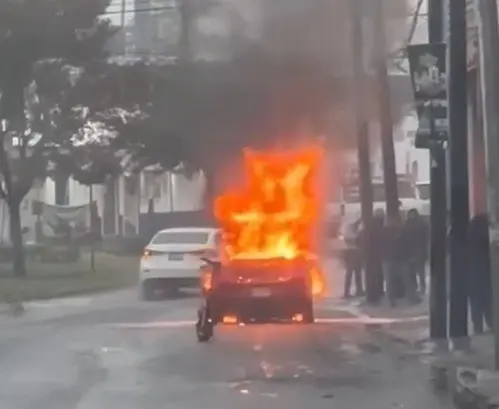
(416, 232)
(480, 281)
(352, 259)
(396, 262)
(376, 249)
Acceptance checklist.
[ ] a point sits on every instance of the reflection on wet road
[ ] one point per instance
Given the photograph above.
(126, 354)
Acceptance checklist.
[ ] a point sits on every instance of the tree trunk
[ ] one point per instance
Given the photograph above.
(16, 237)
(385, 117)
(61, 188)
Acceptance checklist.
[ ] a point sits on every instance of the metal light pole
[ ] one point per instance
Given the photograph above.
(438, 204)
(489, 71)
(459, 191)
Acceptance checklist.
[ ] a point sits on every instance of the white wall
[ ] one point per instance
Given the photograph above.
(27, 217)
(173, 192)
(404, 149)
(406, 154)
(419, 156)
(78, 194)
(188, 194)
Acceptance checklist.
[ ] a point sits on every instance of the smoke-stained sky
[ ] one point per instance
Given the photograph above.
(320, 29)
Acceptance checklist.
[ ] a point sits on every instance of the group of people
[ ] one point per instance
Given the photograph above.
(399, 252)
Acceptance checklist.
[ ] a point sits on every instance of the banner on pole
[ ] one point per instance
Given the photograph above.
(427, 64)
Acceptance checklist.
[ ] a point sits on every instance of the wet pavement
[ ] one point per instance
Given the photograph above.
(116, 352)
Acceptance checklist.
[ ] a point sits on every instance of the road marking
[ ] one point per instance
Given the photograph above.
(60, 302)
(353, 320)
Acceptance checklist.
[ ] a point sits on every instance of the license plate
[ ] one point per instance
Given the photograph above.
(260, 292)
(175, 256)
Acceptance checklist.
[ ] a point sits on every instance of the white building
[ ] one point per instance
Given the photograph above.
(409, 160)
(119, 202)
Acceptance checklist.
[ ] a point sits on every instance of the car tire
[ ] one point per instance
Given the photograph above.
(171, 291)
(204, 327)
(147, 291)
(308, 313)
(205, 332)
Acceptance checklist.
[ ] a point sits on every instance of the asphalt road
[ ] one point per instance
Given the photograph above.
(116, 352)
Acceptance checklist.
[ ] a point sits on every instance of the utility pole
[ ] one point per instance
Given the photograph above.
(438, 205)
(123, 12)
(459, 191)
(489, 66)
(363, 151)
(92, 226)
(184, 41)
(385, 114)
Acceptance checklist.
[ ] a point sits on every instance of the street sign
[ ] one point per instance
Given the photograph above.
(427, 64)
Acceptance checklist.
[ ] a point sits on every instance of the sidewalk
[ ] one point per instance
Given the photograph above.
(469, 376)
(403, 309)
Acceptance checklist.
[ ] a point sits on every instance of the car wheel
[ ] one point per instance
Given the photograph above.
(171, 291)
(147, 291)
(308, 313)
(204, 327)
(204, 332)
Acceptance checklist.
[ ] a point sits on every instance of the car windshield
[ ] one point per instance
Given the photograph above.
(181, 237)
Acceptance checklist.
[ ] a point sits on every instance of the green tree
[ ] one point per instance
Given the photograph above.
(66, 32)
(202, 114)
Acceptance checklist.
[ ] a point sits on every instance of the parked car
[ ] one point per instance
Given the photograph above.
(172, 259)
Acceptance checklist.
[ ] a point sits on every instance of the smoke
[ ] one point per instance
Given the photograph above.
(317, 33)
(319, 30)
(310, 48)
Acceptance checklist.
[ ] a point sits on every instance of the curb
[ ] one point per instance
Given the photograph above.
(388, 331)
(12, 309)
(465, 390)
(16, 308)
(467, 387)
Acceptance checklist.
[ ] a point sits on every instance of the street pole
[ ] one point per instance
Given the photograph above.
(184, 40)
(171, 193)
(92, 226)
(363, 151)
(489, 81)
(123, 12)
(385, 114)
(438, 206)
(459, 192)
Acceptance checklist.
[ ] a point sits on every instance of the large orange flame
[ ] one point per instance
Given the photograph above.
(275, 214)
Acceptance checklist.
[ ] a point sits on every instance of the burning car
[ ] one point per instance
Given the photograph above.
(268, 270)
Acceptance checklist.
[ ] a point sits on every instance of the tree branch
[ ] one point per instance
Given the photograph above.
(401, 52)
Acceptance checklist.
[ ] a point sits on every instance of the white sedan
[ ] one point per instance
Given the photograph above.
(172, 259)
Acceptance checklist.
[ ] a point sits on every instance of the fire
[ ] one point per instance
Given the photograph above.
(276, 213)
